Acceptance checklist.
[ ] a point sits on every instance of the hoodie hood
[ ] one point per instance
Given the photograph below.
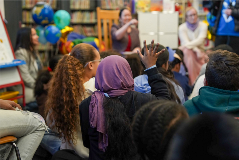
(141, 84)
(216, 100)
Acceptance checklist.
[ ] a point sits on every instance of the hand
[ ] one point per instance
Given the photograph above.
(150, 56)
(136, 49)
(9, 105)
(228, 12)
(133, 22)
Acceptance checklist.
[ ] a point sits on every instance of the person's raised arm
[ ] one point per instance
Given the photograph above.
(119, 34)
(158, 85)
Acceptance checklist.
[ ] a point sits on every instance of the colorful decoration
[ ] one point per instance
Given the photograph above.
(143, 6)
(62, 19)
(211, 19)
(42, 13)
(52, 34)
(66, 31)
(40, 32)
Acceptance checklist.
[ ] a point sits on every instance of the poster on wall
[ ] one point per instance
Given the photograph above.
(168, 6)
(156, 5)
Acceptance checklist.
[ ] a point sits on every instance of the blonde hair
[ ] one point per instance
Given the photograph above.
(188, 9)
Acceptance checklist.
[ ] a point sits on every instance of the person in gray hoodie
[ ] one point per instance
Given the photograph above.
(141, 82)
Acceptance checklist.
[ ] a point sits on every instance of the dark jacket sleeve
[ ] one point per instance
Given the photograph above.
(235, 13)
(84, 120)
(90, 135)
(158, 85)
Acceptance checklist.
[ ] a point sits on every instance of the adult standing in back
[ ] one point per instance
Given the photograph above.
(124, 36)
(226, 25)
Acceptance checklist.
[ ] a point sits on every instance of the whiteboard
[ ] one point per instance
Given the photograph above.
(7, 75)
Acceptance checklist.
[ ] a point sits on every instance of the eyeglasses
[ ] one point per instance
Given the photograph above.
(98, 60)
(192, 15)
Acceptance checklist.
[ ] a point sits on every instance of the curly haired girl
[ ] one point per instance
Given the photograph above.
(71, 83)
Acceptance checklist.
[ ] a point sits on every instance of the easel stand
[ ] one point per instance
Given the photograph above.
(9, 74)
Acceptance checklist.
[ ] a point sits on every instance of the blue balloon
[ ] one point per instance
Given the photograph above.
(62, 18)
(52, 34)
(40, 32)
(42, 14)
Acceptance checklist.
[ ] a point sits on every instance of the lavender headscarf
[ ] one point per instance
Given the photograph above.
(114, 77)
(193, 26)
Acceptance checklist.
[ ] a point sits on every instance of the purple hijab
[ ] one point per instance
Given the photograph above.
(113, 77)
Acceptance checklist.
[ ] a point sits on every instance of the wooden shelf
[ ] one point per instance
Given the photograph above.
(75, 10)
(29, 9)
(83, 23)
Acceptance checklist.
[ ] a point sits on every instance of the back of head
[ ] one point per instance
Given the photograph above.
(211, 136)
(119, 71)
(222, 70)
(83, 52)
(109, 53)
(65, 93)
(24, 39)
(223, 47)
(163, 57)
(135, 64)
(154, 125)
(178, 58)
(53, 61)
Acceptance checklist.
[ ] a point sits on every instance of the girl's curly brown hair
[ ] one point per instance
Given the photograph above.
(65, 93)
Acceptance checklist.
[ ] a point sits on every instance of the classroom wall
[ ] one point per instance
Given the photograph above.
(13, 15)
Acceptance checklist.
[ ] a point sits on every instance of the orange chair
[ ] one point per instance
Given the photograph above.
(108, 17)
(11, 139)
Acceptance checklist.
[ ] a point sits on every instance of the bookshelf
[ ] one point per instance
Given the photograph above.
(27, 21)
(83, 17)
(113, 4)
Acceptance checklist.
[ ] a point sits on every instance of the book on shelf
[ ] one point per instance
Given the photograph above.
(83, 17)
(27, 17)
(80, 4)
(89, 31)
(113, 4)
(29, 4)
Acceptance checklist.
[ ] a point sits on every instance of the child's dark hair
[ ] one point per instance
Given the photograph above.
(53, 61)
(176, 60)
(213, 136)
(222, 70)
(45, 76)
(135, 64)
(109, 53)
(163, 59)
(118, 125)
(154, 125)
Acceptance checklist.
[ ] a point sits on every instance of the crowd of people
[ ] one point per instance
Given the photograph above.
(158, 103)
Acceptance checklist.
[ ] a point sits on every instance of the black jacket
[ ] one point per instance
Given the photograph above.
(215, 10)
(132, 99)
